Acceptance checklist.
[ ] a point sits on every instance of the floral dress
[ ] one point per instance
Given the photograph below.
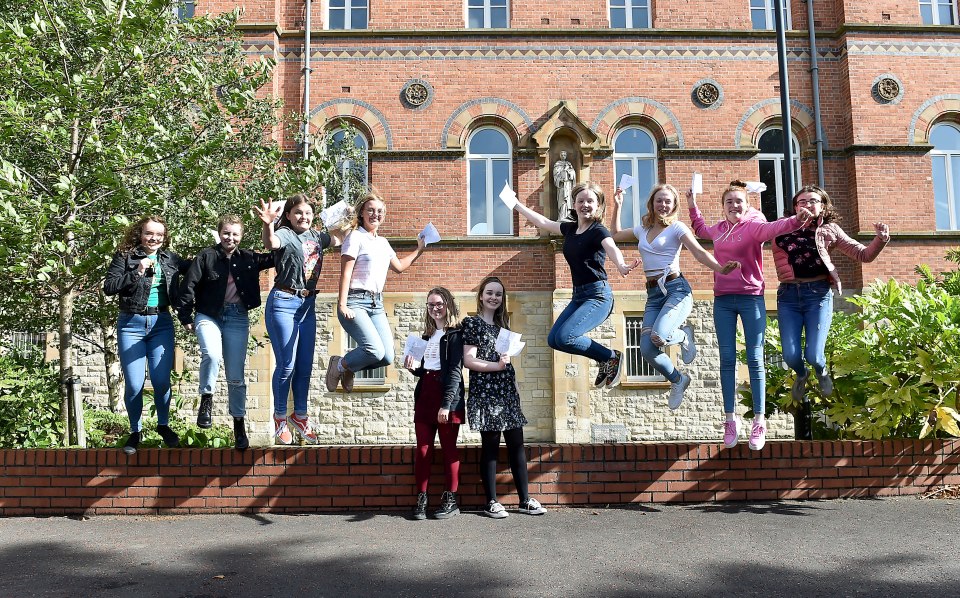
(493, 404)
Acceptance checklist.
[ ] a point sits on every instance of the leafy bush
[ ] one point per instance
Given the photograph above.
(29, 402)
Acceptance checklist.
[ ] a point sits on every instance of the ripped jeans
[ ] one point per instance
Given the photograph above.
(224, 338)
(663, 316)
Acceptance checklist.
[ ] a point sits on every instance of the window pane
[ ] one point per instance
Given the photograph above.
(472, 3)
(946, 14)
(768, 199)
(758, 19)
(358, 18)
(623, 167)
(618, 3)
(337, 3)
(926, 14)
(498, 18)
(489, 141)
(771, 142)
(618, 18)
(646, 179)
(955, 176)
(475, 18)
(336, 19)
(478, 197)
(640, 19)
(633, 141)
(945, 137)
(758, 3)
(498, 3)
(502, 216)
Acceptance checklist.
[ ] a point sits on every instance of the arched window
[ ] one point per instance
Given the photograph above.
(773, 199)
(489, 168)
(351, 179)
(945, 138)
(635, 153)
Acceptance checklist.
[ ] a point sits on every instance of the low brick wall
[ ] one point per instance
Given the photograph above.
(346, 478)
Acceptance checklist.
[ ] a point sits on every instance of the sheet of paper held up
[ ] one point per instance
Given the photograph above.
(334, 214)
(508, 196)
(756, 187)
(415, 347)
(430, 234)
(508, 343)
(216, 236)
(626, 181)
(697, 185)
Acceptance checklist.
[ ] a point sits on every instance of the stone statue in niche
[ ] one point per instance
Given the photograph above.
(564, 177)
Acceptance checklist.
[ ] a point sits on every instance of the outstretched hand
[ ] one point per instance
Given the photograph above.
(729, 267)
(882, 230)
(626, 268)
(266, 213)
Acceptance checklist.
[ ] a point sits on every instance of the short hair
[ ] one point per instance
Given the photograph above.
(227, 220)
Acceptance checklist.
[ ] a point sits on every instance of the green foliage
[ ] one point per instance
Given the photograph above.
(29, 401)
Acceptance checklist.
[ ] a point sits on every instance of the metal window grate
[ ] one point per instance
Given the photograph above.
(638, 368)
(371, 377)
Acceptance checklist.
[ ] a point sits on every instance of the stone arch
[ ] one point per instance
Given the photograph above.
(935, 110)
(493, 111)
(767, 113)
(647, 113)
(360, 114)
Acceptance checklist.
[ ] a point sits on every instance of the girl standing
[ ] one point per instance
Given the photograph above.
(364, 261)
(291, 316)
(222, 285)
(146, 274)
(493, 404)
(438, 400)
(586, 244)
(739, 236)
(805, 297)
(660, 236)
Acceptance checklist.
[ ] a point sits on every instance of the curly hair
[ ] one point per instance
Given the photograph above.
(134, 233)
(828, 212)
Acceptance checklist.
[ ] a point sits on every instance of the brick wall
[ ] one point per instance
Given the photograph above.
(100, 482)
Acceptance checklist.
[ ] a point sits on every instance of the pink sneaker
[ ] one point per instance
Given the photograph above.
(302, 426)
(758, 436)
(731, 432)
(281, 433)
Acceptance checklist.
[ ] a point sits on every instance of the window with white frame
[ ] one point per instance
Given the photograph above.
(489, 168)
(630, 14)
(347, 14)
(638, 368)
(945, 138)
(635, 153)
(763, 14)
(777, 194)
(352, 171)
(372, 377)
(487, 14)
(938, 12)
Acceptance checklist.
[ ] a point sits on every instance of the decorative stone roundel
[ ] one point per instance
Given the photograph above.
(887, 89)
(416, 94)
(707, 94)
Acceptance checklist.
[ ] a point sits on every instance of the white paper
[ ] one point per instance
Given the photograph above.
(430, 234)
(216, 236)
(334, 214)
(275, 205)
(508, 196)
(697, 184)
(756, 187)
(508, 343)
(626, 181)
(414, 347)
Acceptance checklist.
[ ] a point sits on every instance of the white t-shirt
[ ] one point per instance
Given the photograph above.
(372, 255)
(662, 256)
(431, 357)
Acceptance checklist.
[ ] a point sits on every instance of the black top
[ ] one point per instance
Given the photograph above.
(124, 279)
(451, 372)
(584, 252)
(205, 283)
(801, 249)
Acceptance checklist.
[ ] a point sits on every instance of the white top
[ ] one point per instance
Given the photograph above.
(372, 255)
(662, 256)
(431, 357)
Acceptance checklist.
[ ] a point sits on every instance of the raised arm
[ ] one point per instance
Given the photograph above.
(697, 222)
(401, 264)
(705, 257)
(267, 215)
(538, 219)
(767, 231)
(856, 250)
(620, 233)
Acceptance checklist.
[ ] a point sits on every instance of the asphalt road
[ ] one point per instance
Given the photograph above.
(890, 547)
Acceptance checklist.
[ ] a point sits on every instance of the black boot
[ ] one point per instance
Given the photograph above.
(205, 412)
(170, 437)
(803, 422)
(133, 442)
(240, 440)
(448, 506)
(420, 511)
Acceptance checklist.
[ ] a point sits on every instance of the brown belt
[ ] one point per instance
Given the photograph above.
(298, 293)
(652, 282)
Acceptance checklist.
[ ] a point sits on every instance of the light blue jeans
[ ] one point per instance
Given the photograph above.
(663, 316)
(370, 329)
(145, 342)
(753, 314)
(292, 326)
(589, 307)
(805, 310)
(224, 338)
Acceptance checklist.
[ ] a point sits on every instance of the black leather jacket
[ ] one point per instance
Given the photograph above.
(205, 283)
(451, 370)
(134, 288)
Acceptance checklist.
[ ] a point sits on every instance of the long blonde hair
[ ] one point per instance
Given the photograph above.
(651, 217)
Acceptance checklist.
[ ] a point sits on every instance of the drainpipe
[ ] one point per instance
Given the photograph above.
(788, 189)
(815, 78)
(306, 80)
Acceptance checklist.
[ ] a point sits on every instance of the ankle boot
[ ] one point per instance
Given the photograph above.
(205, 412)
(448, 506)
(170, 437)
(803, 422)
(133, 442)
(420, 510)
(240, 440)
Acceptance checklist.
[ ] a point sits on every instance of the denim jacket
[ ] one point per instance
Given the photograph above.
(205, 283)
(124, 279)
(451, 371)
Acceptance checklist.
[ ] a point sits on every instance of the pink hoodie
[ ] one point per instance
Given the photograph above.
(742, 242)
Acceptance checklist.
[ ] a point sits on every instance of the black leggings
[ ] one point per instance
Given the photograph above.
(490, 447)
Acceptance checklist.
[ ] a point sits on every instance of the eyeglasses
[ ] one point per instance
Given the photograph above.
(810, 201)
(438, 305)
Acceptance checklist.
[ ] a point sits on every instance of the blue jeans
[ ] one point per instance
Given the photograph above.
(292, 326)
(224, 338)
(753, 314)
(805, 309)
(590, 306)
(370, 329)
(145, 341)
(663, 316)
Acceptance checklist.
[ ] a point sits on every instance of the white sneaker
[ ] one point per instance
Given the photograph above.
(676, 391)
(495, 509)
(688, 348)
(532, 507)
